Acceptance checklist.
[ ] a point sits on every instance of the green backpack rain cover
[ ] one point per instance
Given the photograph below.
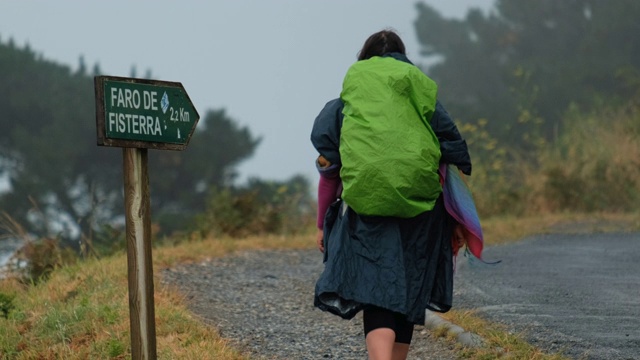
(389, 152)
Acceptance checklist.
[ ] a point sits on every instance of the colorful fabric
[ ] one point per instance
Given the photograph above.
(459, 203)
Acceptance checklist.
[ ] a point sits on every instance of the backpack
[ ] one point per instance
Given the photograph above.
(389, 152)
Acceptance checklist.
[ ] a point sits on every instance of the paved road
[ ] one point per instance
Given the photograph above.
(575, 294)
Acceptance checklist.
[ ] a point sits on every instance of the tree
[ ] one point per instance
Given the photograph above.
(521, 65)
(49, 155)
(46, 148)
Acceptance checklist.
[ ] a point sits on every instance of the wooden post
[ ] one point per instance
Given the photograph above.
(170, 119)
(140, 267)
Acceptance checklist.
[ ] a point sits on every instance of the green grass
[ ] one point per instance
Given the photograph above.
(499, 341)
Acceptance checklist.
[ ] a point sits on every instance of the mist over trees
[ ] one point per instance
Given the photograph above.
(524, 64)
(61, 184)
(547, 95)
(518, 79)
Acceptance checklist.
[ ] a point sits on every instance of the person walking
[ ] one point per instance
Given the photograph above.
(386, 237)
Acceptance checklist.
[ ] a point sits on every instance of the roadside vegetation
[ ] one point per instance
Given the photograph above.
(81, 311)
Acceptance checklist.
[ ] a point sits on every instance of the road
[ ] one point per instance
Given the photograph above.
(574, 294)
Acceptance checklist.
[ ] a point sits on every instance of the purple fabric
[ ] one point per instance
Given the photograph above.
(329, 189)
(459, 203)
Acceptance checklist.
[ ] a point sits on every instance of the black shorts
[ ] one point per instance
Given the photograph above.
(376, 318)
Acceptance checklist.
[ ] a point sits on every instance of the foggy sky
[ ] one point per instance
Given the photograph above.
(271, 64)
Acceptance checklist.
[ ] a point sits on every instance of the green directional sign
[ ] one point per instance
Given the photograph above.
(143, 113)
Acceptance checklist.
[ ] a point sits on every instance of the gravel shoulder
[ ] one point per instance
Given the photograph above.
(262, 301)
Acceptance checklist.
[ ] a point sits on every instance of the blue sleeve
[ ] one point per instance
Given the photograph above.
(325, 135)
(452, 146)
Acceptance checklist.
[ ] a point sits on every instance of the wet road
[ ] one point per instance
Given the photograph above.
(574, 294)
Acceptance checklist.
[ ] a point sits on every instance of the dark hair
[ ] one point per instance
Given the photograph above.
(380, 43)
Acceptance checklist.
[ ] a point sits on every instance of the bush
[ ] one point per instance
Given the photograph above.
(40, 258)
(6, 304)
(593, 166)
(494, 170)
(261, 207)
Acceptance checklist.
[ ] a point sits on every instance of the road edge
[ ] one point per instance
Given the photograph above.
(435, 322)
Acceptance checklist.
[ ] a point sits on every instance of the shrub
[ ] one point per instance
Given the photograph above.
(593, 165)
(261, 207)
(6, 304)
(492, 181)
(42, 257)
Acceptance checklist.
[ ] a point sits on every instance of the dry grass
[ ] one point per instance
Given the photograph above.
(500, 343)
(197, 249)
(501, 230)
(82, 311)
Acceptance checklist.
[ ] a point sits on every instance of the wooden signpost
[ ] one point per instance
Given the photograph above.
(136, 115)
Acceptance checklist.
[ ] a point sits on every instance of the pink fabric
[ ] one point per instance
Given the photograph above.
(328, 188)
(459, 203)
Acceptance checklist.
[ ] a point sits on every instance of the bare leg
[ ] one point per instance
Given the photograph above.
(380, 344)
(383, 328)
(400, 351)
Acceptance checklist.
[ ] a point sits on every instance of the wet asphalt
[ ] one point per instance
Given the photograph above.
(578, 295)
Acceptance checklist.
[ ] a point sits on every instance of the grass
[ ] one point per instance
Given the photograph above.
(501, 230)
(82, 310)
(500, 342)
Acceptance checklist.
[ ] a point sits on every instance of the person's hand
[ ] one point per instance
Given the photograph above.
(319, 237)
